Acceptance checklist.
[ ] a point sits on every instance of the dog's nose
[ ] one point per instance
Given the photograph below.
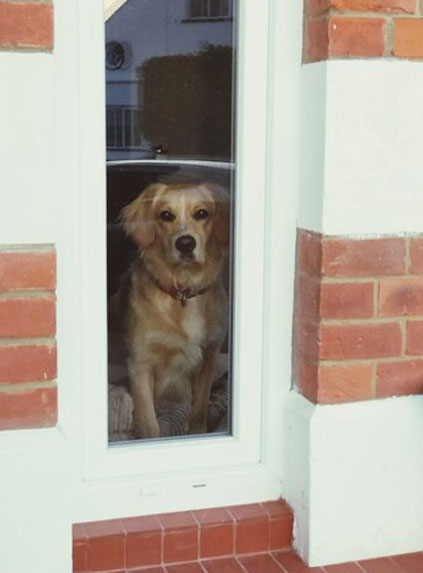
(185, 244)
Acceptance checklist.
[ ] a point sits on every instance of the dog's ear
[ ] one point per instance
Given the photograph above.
(137, 217)
(221, 225)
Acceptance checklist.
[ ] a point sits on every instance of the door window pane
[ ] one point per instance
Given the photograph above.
(170, 124)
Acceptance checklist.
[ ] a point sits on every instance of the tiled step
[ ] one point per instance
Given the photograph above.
(176, 540)
(289, 562)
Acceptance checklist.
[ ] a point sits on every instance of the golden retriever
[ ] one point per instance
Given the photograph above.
(177, 312)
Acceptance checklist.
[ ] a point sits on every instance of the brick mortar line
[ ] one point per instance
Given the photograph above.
(373, 386)
(373, 15)
(403, 328)
(28, 248)
(10, 388)
(18, 342)
(375, 360)
(28, 294)
(344, 279)
(389, 42)
(364, 321)
(26, 48)
(26, 2)
(363, 237)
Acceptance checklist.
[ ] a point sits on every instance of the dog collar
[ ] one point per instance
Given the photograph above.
(180, 294)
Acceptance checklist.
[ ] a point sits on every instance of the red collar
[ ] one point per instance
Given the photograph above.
(180, 294)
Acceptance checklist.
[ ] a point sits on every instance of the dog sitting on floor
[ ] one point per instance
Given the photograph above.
(177, 308)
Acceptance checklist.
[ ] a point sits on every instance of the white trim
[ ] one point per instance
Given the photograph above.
(186, 457)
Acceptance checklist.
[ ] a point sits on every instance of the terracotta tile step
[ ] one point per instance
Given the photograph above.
(286, 562)
(167, 540)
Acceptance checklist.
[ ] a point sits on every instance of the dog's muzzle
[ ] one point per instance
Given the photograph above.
(186, 245)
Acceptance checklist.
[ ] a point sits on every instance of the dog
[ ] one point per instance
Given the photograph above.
(177, 307)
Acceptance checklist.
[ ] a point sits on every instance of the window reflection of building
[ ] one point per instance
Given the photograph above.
(210, 9)
(149, 30)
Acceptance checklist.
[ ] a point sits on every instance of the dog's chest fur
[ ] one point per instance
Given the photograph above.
(186, 356)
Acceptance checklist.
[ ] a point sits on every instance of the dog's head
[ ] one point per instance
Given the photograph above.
(182, 221)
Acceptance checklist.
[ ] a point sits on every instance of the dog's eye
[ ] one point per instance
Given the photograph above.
(166, 216)
(201, 214)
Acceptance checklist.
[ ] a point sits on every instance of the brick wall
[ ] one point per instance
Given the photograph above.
(363, 29)
(358, 332)
(28, 392)
(27, 24)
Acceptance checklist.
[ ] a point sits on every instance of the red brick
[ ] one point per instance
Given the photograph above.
(106, 554)
(380, 565)
(216, 540)
(216, 532)
(307, 338)
(192, 567)
(180, 545)
(363, 257)
(363, 37)
(401, 297)
(28, 408)
(350, 341)
(260, 564)
(308, 297)
(225, 565)
(410, 561)
(281, 524)
(79, 556)
(344, 568)
(143, 541)
(249, 512)
(408, 38)
(346, 300)
(291, 562)
(414, 337)
(280, 533)
(180, 542)
(26, 25)
(416, 255)
(27, 317)
(252, 529)
(27, 363)
(309, 252)
(213, 516)
(316, 7)
(306, 377)
(345, 383)
(24, 270)
(106, 540)
(400, 378)
(390, 6)
(316, 42)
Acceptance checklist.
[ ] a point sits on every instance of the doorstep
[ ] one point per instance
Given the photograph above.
(169, 541)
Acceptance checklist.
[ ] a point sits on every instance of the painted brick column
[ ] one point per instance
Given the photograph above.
(28, 392)
(362, 29)
(358, 308)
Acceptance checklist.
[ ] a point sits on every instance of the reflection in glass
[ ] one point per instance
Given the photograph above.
(170, 149)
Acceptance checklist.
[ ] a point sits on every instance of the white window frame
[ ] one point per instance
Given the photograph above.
(171, 475)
